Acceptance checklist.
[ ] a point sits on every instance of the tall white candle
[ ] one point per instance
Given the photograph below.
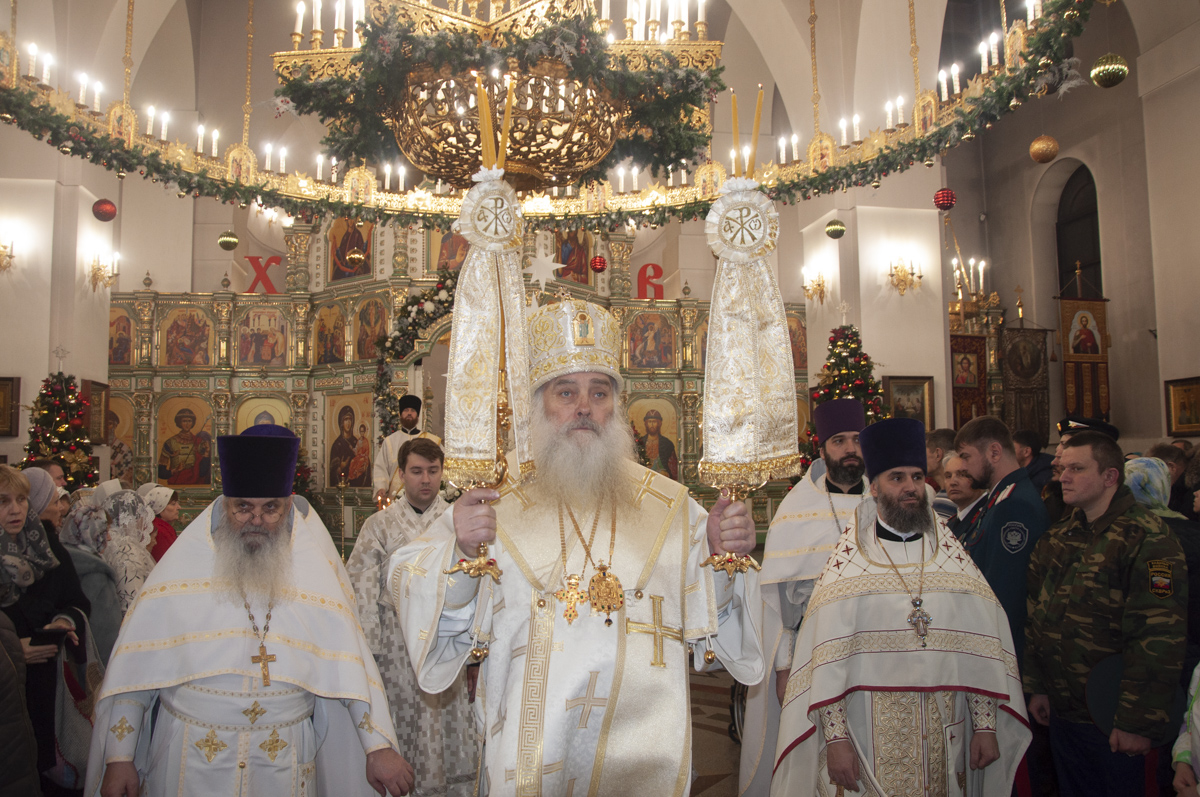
(299, 18)
(216, 134)
(635, 178)
(268, 148)
(971, 274)
(606, 9)
(387, 177)
(150, 121)
(683, 173)
(656, 10)
(982, 287)
(683, 14)
(994, 41)
(942, 81)
(317, 15)
(795, 147)
(47, 62)
(620, 179)
(954, 78)
(1029, 10)
(842, 124)
(339, 15)
(97, 87)
(700, 15)
(857, 137)
(333, 170)
(283, 160)
(1037, 9)
(83, 84)
(782, 150)
(166, 117)
(320, 166)
(900, 110)
(888, 107)
(32, 60)
(355, 13)
(983, 58)
(200, 139)
(400, 179)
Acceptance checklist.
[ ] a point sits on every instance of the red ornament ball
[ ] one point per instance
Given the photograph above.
(76, 423)
(104, 209)
(944, 199)
(599, 264)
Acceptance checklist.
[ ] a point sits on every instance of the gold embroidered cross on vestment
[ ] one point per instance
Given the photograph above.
(656, 628)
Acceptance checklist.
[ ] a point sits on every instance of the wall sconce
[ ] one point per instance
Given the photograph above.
(104, 274)
(904, 277)
(815, 288)
(7, 256)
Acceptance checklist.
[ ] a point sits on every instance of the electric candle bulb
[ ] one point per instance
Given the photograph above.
(268, 149)
(200, 139)
(150, 121)
(320, 166)
(942, 81)
(700, 16)
(83, 84)
(683, 172)
(387, 177)
(339, 15)
(299, 18)
(32, 60)
(782, 150)
(620, 179)
(983, 58)
(900, 111)
(317, 15)
(994, 41)
(842, 125)
(795, 147)
(400, 178)
(215, 135)
(857, 137)
(166, 117)
(333, 170)
(888, 107)
(1029, 10)
(283, 160)
(745, 159)
(635, 178)
(97, 87)
(954, 78)
(47, 62)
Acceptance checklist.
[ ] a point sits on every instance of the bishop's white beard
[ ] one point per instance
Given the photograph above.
(580, 469)
(254, 566)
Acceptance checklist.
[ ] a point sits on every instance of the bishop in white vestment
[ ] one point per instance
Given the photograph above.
(904, 680)
(803, 532)
(246, 635)
(602, 596)
(435, 731)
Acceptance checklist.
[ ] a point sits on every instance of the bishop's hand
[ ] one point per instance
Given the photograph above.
(389, 773)
(730, 527)
(475, 519)
(120, 780)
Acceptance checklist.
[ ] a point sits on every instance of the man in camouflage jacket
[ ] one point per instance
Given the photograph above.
(1107, 580)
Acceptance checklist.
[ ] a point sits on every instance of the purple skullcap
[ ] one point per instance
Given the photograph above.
(894, 443)
(258, 463)
(837, 416)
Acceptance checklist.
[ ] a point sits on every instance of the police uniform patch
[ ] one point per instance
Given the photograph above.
(1014, 536)
(1161, 584)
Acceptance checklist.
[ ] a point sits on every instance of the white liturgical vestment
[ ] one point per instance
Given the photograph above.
(385, 473)
(572, 705)
(219, 727)
(802, 535)
(909, 705)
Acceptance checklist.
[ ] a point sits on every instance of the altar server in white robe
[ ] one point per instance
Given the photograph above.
(246, 634)
(582, 697)
(904, 679)
(385, 474)
(436, 732)
(808, 522)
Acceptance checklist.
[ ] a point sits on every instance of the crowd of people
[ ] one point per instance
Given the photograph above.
(946, 612)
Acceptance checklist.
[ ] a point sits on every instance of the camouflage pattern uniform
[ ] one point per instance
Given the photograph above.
(1118, 585)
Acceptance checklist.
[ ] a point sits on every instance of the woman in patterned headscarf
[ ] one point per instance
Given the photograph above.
(131, 536)
(84, 536)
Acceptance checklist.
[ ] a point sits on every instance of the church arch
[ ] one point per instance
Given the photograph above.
(1078, 236)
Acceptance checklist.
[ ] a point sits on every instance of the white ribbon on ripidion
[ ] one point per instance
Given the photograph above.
(750, 430)
(490, 292)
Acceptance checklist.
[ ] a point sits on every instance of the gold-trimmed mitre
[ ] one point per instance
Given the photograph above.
(750, 431)
(573, 336)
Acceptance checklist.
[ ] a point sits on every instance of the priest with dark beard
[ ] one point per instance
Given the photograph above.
(245, 639)
(904, 679)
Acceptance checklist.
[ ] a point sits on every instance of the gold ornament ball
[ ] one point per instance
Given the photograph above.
(1109, 70)
(709, 656)
(1043, 149)
(835, 229)
(355, 257)
(228, 240)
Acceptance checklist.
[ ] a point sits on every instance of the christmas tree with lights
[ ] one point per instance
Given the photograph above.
(57, 431)
(846, 374)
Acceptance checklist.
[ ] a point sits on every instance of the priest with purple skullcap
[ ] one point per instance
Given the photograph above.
(904, 679)
(245, 638)
(807, 524)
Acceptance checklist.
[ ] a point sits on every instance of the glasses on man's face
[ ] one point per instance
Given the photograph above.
(268, 514)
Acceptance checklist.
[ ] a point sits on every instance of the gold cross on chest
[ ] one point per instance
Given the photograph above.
(571, 595)
(264, 659)
(644, 488)
(656, 628)
(414, 569)
(589, 701)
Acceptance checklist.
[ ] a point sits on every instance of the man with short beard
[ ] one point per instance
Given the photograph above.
(1003, 534)
(803, 532)
(245, 636)
(585, 639)
(904, 678)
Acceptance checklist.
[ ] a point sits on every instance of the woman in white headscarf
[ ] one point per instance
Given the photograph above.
(84, 536)
(131, 536)
(164, 503)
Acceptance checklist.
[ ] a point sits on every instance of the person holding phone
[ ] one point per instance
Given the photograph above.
(41, 594)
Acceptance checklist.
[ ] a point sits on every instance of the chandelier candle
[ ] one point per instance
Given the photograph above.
(166, 117)
(96, 89)
(888, 108)
(47, 62)
(983, 58)
(150, 121)
(994, 42)
(268, 163)
(900, 113)
(83, 84)
(942, 81)
(216, 134)
(32, 61)
(283, 160)
(795, 147)
(842, 124)
(954, 79)
(299, 19)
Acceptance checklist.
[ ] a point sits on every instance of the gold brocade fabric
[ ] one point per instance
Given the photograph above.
(750, 427)
(490, 296)
(573, 336)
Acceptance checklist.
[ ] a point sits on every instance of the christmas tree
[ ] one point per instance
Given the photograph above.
(57, 431)
(846, 374)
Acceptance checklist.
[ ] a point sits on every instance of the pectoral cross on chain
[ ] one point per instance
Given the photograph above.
(919, 619)
(264, 659)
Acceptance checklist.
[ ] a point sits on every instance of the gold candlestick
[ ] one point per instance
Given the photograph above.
(297, 41)
(602, 26)
(678, 26)
(318, 36)
(629, 21)
(339, 36)
(652, 30)
(701, 31)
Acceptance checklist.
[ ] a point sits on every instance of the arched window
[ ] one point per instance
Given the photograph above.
(1078, 232)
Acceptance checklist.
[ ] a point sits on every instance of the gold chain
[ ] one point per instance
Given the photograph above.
(254, 623)
(587, 544)
(921, 585)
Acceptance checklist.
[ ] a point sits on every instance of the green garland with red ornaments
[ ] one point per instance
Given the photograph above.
(57, 431)
(846, 374)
